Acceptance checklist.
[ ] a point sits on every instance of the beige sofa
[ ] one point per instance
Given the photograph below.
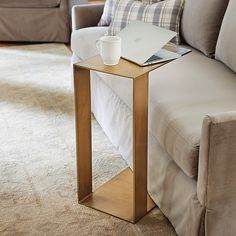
(36, 20)
(192, 117)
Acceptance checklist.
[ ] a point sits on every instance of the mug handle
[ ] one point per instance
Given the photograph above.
(98, 45)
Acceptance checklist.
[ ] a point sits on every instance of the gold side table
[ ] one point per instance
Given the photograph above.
(124, 196)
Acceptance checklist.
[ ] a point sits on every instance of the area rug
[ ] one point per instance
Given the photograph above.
(37, 152)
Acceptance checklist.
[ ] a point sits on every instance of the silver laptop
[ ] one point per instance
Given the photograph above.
(142, 43)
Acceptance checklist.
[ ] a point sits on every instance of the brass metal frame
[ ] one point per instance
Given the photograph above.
(124, 196)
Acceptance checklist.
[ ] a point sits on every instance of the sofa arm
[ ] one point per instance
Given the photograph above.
(216, 186)
(86, 15)
(64, 6)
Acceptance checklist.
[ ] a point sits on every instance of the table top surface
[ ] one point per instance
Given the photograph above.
(124, 68)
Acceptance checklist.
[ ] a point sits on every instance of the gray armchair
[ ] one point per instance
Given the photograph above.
(36, 20)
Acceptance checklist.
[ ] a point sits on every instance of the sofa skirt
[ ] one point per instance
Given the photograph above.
(172, 190)
(34, 25)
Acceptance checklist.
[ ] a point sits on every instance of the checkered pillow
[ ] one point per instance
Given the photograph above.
(150, 1)
(165, 14)
(108, 11)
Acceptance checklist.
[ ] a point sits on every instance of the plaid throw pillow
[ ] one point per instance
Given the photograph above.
(108, 11)
(165, 14)
(107, 14)
(150, 1)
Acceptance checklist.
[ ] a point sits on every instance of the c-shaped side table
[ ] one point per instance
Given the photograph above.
(124, 196)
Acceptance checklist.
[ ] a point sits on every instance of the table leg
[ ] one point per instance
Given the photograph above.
(83, 131)
(140, 135)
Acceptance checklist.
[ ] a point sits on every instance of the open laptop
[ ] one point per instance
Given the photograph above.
(142, 43)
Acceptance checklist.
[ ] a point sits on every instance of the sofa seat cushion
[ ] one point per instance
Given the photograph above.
(181, 94)
(29, 3)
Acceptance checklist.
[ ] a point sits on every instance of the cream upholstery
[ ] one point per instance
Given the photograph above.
(87, 38)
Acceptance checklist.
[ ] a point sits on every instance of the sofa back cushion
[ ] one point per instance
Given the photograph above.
(201, 23)
(226, 44)
(29, 3)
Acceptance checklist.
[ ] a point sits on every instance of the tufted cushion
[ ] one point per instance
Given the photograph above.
(201, 23)
(226, 47)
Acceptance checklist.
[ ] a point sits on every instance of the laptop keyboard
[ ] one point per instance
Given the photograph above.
(153, 58)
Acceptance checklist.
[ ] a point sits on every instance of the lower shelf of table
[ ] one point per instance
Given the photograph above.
(116, 197)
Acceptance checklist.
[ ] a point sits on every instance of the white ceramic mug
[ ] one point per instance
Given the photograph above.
(109, 48)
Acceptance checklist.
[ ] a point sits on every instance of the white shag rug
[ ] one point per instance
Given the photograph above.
(37, 152)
